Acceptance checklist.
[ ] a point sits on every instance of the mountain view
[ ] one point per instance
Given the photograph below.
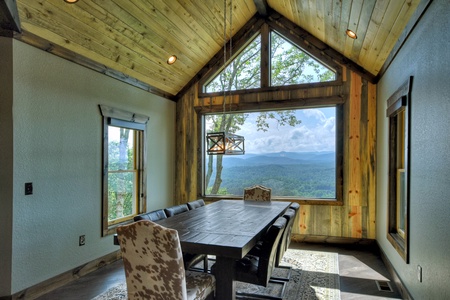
(301, 174)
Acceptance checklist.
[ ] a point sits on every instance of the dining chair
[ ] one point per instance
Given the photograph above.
(258, 269)
(195, 204)
(283, 245)
(175, 210)
(257, 193)
(155, 215)
(190, 259)
(154, 267)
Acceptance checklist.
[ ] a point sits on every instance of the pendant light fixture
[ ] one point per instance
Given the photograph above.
(224, 143)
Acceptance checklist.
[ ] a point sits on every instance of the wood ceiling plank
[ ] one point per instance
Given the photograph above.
(311, 16)
(132, 40)
(343, 25)
(156, 24)
(389, 18)
(352, 25)
(93, 46)
(372, 30)
(363, 24)
(319, 25)
(332, 17)
(154, 48)
(397, 28)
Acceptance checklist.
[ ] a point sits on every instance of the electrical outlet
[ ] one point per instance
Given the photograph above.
(28, 188)
(82, 240)
(419, 273)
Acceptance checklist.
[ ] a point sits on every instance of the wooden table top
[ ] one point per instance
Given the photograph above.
(228, 228)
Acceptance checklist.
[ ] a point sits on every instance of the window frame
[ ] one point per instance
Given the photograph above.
(265, 32)
(308, 201)
(398, 113)
(138, 123)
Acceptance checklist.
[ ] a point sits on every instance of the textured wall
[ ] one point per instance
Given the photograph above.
(57, 146)
(425, 56)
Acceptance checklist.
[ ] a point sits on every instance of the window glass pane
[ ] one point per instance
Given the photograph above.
(290, 65)
(122, 183)
(121, 194)
(242, 73)
(120, 148)
(294, 159)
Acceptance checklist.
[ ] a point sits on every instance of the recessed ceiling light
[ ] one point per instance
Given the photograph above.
(351, 34)
(172, 59)
(71, 1)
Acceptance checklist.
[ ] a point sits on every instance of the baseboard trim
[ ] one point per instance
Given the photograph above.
(398, 282)
(64, 278)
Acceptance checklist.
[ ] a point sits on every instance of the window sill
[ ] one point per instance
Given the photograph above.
(329, 202)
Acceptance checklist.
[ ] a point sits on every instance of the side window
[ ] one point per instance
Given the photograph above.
(398, 204)
(123, 173)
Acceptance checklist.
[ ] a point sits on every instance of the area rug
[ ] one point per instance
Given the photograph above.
(314, 276)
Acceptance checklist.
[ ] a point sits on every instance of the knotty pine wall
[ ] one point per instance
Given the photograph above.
(355, 218)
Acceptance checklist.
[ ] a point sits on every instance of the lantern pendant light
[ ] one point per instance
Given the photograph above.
(223, 143)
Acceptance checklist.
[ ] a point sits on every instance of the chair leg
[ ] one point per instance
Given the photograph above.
(287, 278)
(205, 264)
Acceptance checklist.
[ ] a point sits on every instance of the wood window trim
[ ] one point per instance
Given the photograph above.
(398, 102)
(338, 201)
(126, 119)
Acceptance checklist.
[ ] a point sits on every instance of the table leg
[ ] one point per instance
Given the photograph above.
(225, 285)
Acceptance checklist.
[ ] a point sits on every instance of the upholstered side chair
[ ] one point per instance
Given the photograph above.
(154, 267)
(258, 193)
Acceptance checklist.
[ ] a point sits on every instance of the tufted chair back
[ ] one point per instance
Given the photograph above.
(258, 193)
(153, 264)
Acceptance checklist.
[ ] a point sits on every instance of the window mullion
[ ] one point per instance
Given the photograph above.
(265, 56)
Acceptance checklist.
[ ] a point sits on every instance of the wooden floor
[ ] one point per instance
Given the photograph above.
(359, 269)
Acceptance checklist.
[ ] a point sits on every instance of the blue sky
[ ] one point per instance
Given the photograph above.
(317, 132)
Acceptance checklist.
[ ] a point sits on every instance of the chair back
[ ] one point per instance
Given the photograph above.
(151, 216)
(195, 204)
(267, 257)
(175, 210)
(257, 193)
(153, 261)
(283, 245)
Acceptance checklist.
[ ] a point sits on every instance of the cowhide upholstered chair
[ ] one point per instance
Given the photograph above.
(154, 265)
(258, 193)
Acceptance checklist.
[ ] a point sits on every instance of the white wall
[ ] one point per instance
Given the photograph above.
(425, 56)
(58, 147)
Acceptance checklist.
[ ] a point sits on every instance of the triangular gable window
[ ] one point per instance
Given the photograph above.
(289, 65)
(244, 72)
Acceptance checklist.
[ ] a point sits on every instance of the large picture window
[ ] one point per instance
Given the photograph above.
(123, 167)
(291, 151)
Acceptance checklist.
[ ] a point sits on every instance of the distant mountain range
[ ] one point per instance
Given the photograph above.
(278, 158)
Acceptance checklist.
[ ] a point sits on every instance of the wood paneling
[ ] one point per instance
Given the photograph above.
(133, 39)
(355, 218)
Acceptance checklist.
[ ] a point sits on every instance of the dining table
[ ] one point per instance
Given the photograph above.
(228, 229)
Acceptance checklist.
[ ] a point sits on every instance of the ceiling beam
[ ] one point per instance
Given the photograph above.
(9, 17)
(57, 50)
(262, 7)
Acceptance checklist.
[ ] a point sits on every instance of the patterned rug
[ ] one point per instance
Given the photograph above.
(314, 276)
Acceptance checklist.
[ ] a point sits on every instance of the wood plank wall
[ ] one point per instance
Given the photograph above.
(356, 217)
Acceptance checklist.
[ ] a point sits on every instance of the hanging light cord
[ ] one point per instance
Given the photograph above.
(224, 58)
(231, 45)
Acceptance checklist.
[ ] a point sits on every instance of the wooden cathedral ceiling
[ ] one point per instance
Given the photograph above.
(132, 39)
